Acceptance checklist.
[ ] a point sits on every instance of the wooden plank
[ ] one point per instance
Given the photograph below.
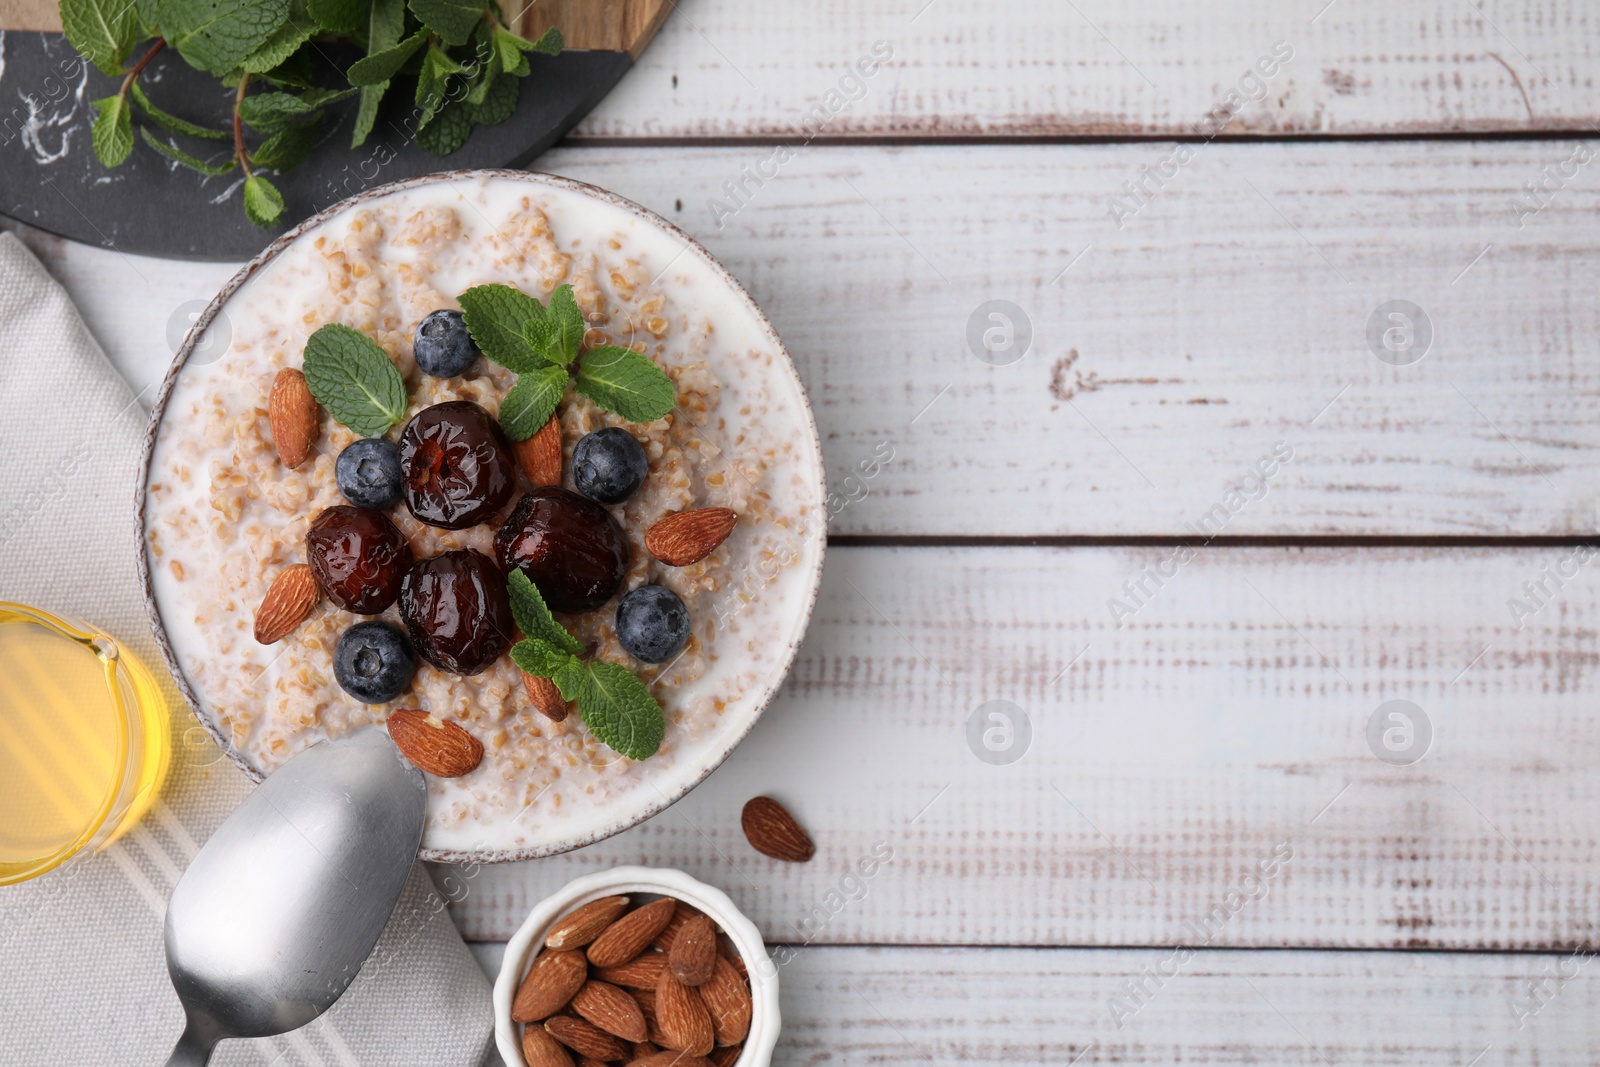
(1168, 357)
(1169, 354)
(723, 68)
(1214, 744)
(1010, 1006)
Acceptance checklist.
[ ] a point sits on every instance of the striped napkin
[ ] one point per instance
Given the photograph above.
(83, 977)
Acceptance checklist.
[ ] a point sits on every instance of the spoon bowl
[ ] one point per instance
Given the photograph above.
(279, 910)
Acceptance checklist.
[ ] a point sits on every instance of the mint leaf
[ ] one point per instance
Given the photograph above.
(453, 20)
(288, 147)
(367, 113)
(112, 133)
(384, 26)
(178, 155)
(532, 401)
(563, 313)
(354, 380)
(499, 102)
(271, 112)
(262, 201)
(619, 710)
(623, 381)
(571, 679)
(432, 81)
(509, 47)
(279, 47)
(103, 31)
(381, 66)
(498, 318)
(448, 131)
(217, 35)
(172, 123)
(550, 43)
(339, 16)
(533, 616)
(540, 658)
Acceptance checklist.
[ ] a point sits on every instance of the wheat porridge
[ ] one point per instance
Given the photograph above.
(288, 590)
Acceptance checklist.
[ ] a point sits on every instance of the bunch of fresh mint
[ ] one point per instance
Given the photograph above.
(540, 343)
(615, 705)
(466, 64)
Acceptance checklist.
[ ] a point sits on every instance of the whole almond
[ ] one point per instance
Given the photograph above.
(641, 972)
(694, 951)
(682, 1016)
(611, 1010)
(585, 1038)
(669, 1058)
(442, 748)
(689, 536)
(540, 455)
(542, 1050)
(585, 924)
(549, 985)
(295, 417)
(289, 602)
(647, 1004)
(728, 1001)
(680, 915)
(772, 831)
(631, 934)
(726, 1056)
(545, 697)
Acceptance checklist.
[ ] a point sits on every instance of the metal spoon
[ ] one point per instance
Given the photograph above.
(284, 903)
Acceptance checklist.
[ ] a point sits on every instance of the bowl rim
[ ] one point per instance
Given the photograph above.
(784, 363)
(765, 1018)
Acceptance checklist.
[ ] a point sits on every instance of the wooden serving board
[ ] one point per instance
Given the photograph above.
(50, 178)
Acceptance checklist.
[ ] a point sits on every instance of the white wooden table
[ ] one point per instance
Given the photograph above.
(1199, 772)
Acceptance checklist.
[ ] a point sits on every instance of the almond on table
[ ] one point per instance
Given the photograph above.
(772, 831)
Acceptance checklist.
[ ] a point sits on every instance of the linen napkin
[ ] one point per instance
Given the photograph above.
(83, 975)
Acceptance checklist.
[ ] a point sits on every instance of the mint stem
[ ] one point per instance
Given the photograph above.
(238, 127)
(138, 68)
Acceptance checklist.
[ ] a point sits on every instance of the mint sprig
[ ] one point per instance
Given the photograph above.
(354, 379)
(615, 705)
(463, 65)
(521, 334)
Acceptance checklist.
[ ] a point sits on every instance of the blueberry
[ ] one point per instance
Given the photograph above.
(374, 662)
(442, 347)
(368, 472)
(608, 465)
(652, 623)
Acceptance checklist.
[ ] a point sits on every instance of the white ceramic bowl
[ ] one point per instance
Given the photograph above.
(176, 607)
(657, 881)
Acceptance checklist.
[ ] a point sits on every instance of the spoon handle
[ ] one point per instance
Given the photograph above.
(193, 1049)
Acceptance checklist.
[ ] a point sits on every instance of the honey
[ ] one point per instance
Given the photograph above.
(83, 740)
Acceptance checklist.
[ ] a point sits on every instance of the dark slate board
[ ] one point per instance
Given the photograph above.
(49, 177)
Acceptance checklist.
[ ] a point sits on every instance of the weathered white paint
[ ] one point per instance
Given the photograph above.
(720, 68)
(1222, 727)
(1061, 1006)
(1168, 355)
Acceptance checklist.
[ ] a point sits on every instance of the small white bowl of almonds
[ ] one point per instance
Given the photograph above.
(638, 966)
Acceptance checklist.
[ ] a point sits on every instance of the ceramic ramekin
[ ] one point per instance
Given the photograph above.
(637, 881)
